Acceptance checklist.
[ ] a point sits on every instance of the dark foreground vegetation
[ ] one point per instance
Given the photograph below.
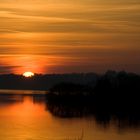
(103, 116)
(115, 94)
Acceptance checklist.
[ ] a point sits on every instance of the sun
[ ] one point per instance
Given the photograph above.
(28, 74)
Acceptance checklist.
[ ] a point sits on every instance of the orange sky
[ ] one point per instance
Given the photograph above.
(61, 36)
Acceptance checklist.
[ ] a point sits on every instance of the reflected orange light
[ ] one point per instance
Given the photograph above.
(27, 108)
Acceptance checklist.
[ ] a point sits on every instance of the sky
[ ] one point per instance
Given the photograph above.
(66, 36)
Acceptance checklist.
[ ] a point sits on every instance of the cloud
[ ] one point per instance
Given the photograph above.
(70, 32)
(7, 69)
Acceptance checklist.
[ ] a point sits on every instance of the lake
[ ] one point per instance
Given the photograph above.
(25, 115)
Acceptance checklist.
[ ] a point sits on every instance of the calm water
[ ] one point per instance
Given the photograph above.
(27, 117)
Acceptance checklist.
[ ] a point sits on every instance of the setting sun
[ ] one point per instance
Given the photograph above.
(28, 74)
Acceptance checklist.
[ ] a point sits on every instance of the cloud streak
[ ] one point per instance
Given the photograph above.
(70, 34)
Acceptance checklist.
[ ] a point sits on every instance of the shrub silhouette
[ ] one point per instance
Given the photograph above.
(113, 93)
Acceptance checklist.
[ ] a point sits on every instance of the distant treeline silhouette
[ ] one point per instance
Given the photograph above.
(114, 93)
(45, 82)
